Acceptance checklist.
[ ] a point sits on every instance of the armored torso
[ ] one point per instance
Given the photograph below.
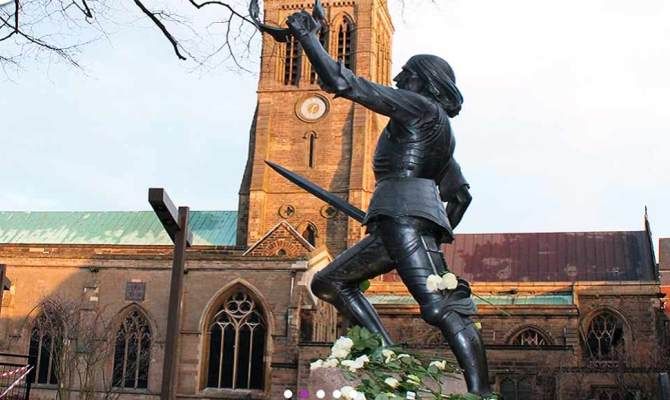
(421, 150)
(413, 154)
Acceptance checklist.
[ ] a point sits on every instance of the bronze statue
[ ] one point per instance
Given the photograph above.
(415, 172)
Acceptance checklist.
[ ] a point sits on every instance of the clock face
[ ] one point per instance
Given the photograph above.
(312, 108)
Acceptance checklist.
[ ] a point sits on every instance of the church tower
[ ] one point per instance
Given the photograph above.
(297, 125)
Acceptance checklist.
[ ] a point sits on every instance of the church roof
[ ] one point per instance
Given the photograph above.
(546, 257)
(210, 228)
(518, 257)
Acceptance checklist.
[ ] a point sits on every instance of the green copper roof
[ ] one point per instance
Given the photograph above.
(210, 228)
(554, 299)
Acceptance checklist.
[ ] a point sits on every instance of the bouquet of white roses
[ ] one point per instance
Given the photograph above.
(386, 373)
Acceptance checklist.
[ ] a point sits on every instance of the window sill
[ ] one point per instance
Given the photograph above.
(124, 390)
(233, 393)
(50, 386)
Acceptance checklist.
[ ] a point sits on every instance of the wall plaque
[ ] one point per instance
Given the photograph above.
(135, 291)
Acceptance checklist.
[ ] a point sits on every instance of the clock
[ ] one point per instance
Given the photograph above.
(312, 108)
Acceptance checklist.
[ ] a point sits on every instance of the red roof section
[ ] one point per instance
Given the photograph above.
(545, 257)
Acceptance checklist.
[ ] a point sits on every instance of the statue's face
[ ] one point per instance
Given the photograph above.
(408, 80)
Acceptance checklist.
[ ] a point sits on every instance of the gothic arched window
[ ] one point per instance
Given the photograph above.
(46, 348)
(132, 352)
(605, 338)
(530, 337)
(516, 388)
(237, 335)
(323, 38)
(345, 42)
(292, 62)
(310, 234)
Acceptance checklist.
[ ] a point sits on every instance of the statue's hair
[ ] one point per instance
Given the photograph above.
(439, 79)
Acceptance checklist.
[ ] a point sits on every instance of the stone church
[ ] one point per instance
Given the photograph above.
(567, 315)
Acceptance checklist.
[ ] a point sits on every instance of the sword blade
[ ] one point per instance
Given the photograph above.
(302, 182)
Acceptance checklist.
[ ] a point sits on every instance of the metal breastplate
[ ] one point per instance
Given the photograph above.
(418, 152)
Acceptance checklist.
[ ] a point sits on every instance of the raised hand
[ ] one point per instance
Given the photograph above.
(302, 24)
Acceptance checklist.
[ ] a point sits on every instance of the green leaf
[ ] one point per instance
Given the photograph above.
(394, 365)
(365, 285)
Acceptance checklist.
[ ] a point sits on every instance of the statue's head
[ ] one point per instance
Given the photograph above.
(433, 77)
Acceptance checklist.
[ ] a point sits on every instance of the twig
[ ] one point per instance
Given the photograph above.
(159, 24)
(222, 4)
(16, 15)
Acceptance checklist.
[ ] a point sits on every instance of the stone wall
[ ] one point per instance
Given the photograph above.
(100, 274)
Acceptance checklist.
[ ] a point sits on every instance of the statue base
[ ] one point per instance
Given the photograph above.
(330, 379)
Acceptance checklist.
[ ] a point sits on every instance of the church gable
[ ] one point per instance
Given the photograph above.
(282, 240)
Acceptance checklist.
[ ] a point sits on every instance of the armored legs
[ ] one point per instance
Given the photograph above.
(408, 244)
(338, 283)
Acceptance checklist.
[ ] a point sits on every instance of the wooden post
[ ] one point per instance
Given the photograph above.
(664, 386)
(176, 225)
(3, 270)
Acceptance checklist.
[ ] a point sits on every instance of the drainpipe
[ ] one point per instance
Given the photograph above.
(287, 315)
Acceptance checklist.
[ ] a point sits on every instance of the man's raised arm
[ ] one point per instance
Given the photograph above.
(304, 29)
(401, 105)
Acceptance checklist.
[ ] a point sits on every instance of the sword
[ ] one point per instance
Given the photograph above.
(302, 182)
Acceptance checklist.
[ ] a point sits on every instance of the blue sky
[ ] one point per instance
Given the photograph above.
(564, 126)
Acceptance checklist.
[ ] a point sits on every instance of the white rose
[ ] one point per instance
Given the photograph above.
(347, 392)
(389, 354)
(359, 396)
(441, 365)
(351, 364)
(339, 353)
(449, 281)
(316, 365)
(342, 347)
(350, 393)
(356, 364)
(392, 382)
(330, 363)
(432, 282)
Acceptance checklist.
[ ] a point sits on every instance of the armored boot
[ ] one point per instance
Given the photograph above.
(467, 345)
(349, 300)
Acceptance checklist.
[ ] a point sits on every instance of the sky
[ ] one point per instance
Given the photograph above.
(564, 125)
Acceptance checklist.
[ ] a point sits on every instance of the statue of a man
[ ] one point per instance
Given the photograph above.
(406, 220)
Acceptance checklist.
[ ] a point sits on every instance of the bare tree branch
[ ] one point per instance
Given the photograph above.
(38, 28)
(15, 28)
(16, 15)
(222, 4)
(159, 24)
(85, 8)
